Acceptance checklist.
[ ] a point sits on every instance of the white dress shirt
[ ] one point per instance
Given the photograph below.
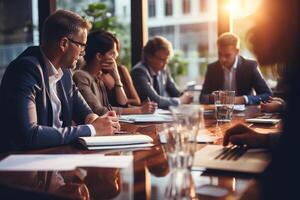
(54, 76)
(230, 78)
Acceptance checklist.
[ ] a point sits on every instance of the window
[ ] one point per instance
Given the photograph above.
(151, 8)
(168, 7)
(18, 29)
(186, 6)
(241, 21)
(116, 18)
(203, 6)
(193, 38)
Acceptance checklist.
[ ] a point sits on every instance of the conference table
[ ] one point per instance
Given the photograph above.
(146, 178)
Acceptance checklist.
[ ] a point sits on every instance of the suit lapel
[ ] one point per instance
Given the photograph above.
(239, 77)
(65, 110)
(219, 80)
(47, 87)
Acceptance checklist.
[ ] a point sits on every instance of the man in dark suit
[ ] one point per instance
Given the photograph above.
(233, 72)
(152, 79)
(38, 99)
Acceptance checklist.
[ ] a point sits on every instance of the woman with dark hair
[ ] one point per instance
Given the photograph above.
(100, 90)
(275, 39)
(129, 89)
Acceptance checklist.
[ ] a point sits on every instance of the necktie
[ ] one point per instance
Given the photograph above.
(155, 83)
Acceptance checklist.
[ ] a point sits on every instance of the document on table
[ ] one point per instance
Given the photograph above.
(162, 112)
(205, 136)
(146, 118)
(239, 107)
(262, 121)
(116, 142)
(62, 162)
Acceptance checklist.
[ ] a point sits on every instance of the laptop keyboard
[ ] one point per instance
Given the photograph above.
(232, 153)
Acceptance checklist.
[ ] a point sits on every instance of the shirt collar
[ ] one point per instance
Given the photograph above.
(152, 72)
(53, 73)
(234, 66)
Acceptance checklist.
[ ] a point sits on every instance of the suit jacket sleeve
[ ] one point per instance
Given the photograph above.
(145, 89)
(84, 84)
(23, 94)
(206, 90)
(261, 88)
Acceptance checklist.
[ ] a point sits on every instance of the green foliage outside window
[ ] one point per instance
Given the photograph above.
(100, 17)
(178, 65)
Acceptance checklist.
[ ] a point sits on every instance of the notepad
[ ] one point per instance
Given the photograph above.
(116, 142)
(243, 160)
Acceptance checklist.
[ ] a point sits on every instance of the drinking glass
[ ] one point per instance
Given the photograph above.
(168, 138)
(189, 119)
(180, 186)
(224, 103)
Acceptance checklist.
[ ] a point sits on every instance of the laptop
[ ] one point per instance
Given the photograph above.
(233, 158)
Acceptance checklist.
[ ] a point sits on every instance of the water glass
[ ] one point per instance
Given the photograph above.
(180, 186)
(224, 103)
(189, 119)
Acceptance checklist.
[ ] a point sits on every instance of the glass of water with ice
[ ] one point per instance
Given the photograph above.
(224, 103)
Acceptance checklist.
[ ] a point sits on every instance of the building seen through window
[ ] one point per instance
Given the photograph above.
(192, 33)
(186, 6)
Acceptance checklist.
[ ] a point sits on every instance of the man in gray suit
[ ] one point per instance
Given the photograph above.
(152, 79)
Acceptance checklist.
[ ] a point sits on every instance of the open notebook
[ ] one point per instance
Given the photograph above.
(116, 142)
(238, 159)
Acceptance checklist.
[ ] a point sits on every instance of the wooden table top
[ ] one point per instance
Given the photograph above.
(147, 178)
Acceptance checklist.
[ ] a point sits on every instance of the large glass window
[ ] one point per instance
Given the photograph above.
(18, 29)
(108, 15)
(193, 37)
(241, 21)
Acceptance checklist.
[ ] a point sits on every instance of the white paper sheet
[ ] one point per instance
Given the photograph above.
(239, 107)
(124, 146)
(262, 121)
(62, 162)
(146, 118)
(162, 112)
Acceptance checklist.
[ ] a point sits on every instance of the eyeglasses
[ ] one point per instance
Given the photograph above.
(82, 45)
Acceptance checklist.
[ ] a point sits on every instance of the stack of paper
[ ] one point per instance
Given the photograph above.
(116, 142)
(146, 118)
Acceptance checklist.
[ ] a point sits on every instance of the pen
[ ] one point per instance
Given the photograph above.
(109, 107)
(249, 125)
(148, 99)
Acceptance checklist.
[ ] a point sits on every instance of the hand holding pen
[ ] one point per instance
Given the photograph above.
(148, 106)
